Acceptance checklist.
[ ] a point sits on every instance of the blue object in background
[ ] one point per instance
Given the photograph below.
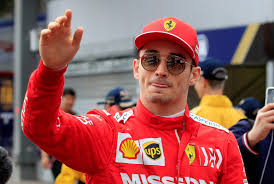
(6, 112)
(220, 43)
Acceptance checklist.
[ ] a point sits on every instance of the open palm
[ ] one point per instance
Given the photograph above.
(57, 45)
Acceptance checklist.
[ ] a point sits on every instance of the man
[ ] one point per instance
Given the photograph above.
(67, 103)
(158, 141)
(214, 105)
(256, 145)
(118, 99)
(5, 166)
(68, 100)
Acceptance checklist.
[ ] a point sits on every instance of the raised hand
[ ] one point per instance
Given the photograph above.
(57, 45)
(263, 125)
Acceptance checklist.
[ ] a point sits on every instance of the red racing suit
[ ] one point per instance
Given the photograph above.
(133, 146)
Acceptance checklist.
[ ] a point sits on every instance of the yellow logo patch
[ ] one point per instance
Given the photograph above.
(152, 150)
(190, 152)
(169, 25)
(129, 149)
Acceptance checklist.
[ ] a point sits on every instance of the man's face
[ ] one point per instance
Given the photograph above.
(160, 86)
(67, 102)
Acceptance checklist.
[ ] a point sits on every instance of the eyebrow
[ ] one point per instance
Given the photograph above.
(151, 51)
(157, 52)
(179, 55)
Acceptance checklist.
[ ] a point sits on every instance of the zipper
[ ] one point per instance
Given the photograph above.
(177, 136)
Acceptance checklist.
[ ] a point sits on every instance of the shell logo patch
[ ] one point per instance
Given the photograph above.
(129, 148)
(169, 25)
(147, 151)
(152, 150)
(190, 152)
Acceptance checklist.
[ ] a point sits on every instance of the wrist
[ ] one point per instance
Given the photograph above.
(247, 145)
(252, 140)
(61, 67)
(49, 76)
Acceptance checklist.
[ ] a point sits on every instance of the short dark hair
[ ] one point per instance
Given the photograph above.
(69, 91)
(5, 166)
(216, 84)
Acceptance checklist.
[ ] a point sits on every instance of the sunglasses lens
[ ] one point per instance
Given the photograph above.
(175, 65)
(150, 62)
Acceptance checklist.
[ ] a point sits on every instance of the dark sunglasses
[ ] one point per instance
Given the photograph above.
(175, 64)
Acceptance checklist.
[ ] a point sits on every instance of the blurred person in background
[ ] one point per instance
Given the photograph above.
(214, 105)
(158, 141)
(70, 176)
(255, 140)
(5, 166)
(67, 103)
(249, 107)
(68, 100)
(117, 99)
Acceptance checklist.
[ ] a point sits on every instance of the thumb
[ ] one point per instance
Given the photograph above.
(77, 37)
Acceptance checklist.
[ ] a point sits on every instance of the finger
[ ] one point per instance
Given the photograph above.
(270, 126)
(77, 37)
(68, 14)
(269, 113)
(45, 33)
(267, 107)
(61, 20)
(53, 26)
(264, 118)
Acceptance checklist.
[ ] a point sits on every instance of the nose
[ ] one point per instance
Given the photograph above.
(161, 70)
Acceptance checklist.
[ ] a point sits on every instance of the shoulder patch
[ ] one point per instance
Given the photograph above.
(84, 119)
(208, 122)
(124, 117)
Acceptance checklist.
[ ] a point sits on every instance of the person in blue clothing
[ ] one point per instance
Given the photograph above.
(249, 106)
(118, 99)
(256, 145)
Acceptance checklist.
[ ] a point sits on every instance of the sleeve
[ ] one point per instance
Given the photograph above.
(240, 131)
(82, 142)
(69, 176)
(241, 127)
(233, 169)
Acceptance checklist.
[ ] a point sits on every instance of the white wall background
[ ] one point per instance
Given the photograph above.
(110, 26)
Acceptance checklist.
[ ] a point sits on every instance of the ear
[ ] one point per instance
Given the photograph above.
(136, 69)
(194, 75)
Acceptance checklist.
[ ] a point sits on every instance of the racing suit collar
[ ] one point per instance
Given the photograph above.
(163, 123)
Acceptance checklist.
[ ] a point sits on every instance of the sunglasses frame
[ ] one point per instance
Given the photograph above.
(170, 69)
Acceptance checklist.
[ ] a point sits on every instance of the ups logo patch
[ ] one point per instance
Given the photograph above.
(152, 150)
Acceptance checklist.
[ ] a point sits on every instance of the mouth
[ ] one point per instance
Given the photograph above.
(160, 83)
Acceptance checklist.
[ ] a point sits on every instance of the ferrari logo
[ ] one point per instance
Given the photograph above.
(190, 152)
(169, 25)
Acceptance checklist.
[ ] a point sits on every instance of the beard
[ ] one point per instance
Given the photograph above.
(159, 95)
(159, 98)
